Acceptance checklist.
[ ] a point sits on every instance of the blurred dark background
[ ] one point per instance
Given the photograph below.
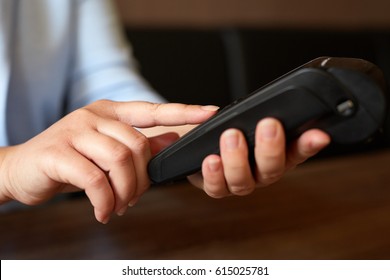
(218, 66)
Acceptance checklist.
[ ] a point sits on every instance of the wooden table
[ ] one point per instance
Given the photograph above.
(336, 208)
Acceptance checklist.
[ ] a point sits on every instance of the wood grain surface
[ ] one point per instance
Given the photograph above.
(335, 208)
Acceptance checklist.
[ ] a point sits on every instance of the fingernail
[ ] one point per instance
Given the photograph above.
(102, 217)
(214, 164)
(210, 108)
(231, 139)
(105, 220)
(133, 201)
(122, 211)
(318, 144)
(268, 129)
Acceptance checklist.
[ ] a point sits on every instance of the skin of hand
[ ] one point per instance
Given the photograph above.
(230, 173)
(96, 149)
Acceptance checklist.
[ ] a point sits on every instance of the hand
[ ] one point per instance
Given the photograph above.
(96, 149)
(231, 174)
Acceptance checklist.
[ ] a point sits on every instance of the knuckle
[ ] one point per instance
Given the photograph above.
(215, 194)
(270, 178)
(155, 108)
(95, 179)
(140, 143)
(120, 154)
(92, 110)
(102, 103)
(48, 161)
(272, 155)
(241, 190)
(215, 190)
(81, 115)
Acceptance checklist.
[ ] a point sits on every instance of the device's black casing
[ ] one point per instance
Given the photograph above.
(344, 97)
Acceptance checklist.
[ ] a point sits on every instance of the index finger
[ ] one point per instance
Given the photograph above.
(146, 114)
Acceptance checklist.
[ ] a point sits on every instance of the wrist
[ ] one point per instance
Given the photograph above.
(4, 175)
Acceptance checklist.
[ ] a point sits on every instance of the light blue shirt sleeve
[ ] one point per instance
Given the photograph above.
(5, 28)
(103, 66)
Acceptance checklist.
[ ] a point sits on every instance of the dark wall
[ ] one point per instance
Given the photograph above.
(200, 65)
(183, 66)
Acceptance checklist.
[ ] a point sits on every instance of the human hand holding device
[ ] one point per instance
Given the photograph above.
(342, 96)
(95, 149)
